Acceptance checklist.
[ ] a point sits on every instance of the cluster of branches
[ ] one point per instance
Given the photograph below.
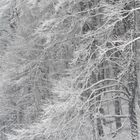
(89, 47)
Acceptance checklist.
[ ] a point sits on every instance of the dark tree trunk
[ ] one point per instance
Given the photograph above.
(117, 112)
(99, 120)
(133, 82)
(133, 89)
(117, 101)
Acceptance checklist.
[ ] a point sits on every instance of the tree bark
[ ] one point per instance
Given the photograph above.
(133, 84)
(99, 120)
(117, 101)
(132, 89)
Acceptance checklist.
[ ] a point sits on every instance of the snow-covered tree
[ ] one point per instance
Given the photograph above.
(69, 69)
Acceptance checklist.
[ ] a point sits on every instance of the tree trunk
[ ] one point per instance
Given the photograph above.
(133, 84)
(133, 89)
(117, 101)
(117, 112)
(99, 121)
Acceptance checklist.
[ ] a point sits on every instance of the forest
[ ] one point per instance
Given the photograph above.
(69, 69)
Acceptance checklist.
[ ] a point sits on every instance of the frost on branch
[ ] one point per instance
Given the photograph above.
(69, 69)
